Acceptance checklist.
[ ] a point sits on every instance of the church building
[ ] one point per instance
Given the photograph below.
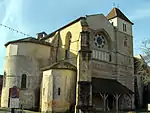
(85, 65)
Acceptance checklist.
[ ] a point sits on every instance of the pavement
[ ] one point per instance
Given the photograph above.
(8, 110)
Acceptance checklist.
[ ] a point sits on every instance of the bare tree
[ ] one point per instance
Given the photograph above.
(141, 67)
(146, 49)
(141, 70)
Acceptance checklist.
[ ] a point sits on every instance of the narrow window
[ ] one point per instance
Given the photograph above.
(124, 27)
(125, 42)
(112, 23)
(23, 81)
(110, 58)
(58, 91)
(67, 54)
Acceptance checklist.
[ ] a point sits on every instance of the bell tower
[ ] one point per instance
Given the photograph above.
(123, 32)
(124, 48)
(120, 21)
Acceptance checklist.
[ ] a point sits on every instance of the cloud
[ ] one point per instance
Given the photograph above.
(10, 18)
(11, 11)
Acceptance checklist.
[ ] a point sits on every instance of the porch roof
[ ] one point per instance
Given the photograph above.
(100, 85)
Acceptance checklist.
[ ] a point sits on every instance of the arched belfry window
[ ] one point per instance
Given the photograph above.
(67, 45)
(23, 81)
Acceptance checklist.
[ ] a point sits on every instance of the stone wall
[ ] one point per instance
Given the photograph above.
(53, 81)
(15, 66)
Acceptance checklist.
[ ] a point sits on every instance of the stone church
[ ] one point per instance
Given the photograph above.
(85, 65)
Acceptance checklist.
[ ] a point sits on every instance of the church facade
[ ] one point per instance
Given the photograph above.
(85, 65)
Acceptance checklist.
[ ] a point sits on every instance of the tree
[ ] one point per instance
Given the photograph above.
(146, 50)
(141, 65)
(141, 69)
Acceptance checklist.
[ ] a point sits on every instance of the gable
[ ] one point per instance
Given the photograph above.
(98, 22)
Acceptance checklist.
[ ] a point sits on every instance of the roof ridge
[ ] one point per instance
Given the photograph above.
(115, 10)
(70, 23)
(28, 39)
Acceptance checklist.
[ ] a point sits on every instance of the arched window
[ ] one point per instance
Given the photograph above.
(67, 45)
(23, 81)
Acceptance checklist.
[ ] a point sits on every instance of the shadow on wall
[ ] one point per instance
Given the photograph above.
(62, 51)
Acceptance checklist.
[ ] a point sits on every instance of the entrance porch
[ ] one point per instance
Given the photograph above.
(108, 93)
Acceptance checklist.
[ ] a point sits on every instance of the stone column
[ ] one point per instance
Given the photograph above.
(117, 101)
(104, 96)
(84, 87)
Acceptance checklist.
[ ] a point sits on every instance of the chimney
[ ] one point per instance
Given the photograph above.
(40, 35)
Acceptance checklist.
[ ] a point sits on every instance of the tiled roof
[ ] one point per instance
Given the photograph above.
(115, 12)
(61, 65)
(53, 33)
(100, 85)
(28, 39)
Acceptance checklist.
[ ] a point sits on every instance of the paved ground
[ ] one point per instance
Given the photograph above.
(7, 110)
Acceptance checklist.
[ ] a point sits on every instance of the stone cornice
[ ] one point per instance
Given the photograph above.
(61, 65)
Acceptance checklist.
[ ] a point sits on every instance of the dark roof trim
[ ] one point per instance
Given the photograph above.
(28, 40)
(101, 85)
(53, 33)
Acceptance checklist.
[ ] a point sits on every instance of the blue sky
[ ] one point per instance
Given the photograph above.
(32, 16)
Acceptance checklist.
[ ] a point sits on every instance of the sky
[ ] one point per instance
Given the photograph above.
(33, 16)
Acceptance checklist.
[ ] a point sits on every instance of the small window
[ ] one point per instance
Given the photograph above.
(125, 42)
(110, 59)
(124, 27)
(112, 23)
(58, 91)
(67, 54)
(23, 81)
